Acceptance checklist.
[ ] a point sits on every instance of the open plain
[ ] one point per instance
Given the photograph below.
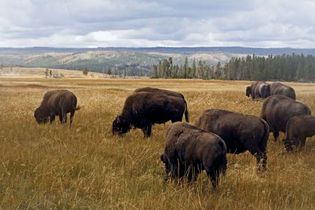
(85, 167)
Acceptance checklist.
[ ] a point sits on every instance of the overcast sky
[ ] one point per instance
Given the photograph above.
(147, 23)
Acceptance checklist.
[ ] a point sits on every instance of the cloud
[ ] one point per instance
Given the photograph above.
(138, 23)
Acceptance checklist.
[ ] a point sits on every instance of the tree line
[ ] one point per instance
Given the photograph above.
(281, 67)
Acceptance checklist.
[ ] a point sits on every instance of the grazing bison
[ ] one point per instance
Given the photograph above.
(143, 109)
(258, 89)
(278, 109)
(189, 150)
(56, 103)
(240, 132)
(278, 88)
(298, 128)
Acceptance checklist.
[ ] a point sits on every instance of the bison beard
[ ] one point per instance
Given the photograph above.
(189, 150)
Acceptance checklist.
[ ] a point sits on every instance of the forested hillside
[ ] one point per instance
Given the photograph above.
(281, 67)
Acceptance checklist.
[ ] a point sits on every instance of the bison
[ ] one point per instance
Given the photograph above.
(240, 132)
(278, 109)
(258, 89)
(189, 150)
(56, 103)
(144, 109)
(278, 88)
(297, 129)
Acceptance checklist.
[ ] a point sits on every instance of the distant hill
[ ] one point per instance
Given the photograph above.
(132, 61)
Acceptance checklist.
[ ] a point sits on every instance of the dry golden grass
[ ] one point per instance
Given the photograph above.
(85, 167)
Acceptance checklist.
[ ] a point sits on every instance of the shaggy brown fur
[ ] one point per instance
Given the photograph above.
(167, 92)
(298, 129)
(240, 132)
(258, 90)
(144, 109)
(278, 88)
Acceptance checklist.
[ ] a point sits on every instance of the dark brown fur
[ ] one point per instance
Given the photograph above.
(298, 129)
(189, 150)
(167, 92)
(56, 103)
(240, 132)
(258, 89)
(278, 88)
(278, 109)
(144, 109)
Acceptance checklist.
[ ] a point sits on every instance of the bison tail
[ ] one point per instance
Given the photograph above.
(186, 112)
(78, 108)
(264, 140)
(222, 158)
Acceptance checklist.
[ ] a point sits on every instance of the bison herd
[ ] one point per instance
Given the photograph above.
(189, 149)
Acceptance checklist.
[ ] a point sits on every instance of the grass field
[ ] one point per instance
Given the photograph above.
(85, 167)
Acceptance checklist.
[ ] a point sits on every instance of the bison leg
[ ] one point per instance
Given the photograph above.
(214, 177)
(60, 117)
(147, 130)
(261, 158)
(71, 117)
(302, 141)
(288, 145)
(52, 118)
(275, 134)
(192, 173)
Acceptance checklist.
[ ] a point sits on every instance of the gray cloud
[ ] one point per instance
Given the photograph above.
(137, 23)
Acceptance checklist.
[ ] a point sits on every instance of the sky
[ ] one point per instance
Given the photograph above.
(151, 23)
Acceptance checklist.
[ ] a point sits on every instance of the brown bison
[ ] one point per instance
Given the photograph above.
(240, 132)
(278, 109)
(278, 88)
(257, 90)
(189, 150)
(298, 128)
(56, 103)
(144, 109)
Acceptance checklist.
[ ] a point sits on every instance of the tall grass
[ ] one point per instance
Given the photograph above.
(85, 167)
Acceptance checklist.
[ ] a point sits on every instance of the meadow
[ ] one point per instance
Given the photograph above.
(86, 167)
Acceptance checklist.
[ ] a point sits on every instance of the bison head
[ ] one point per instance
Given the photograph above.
(120, 125)
(248, 91)
(40, 116)
(171, 170)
